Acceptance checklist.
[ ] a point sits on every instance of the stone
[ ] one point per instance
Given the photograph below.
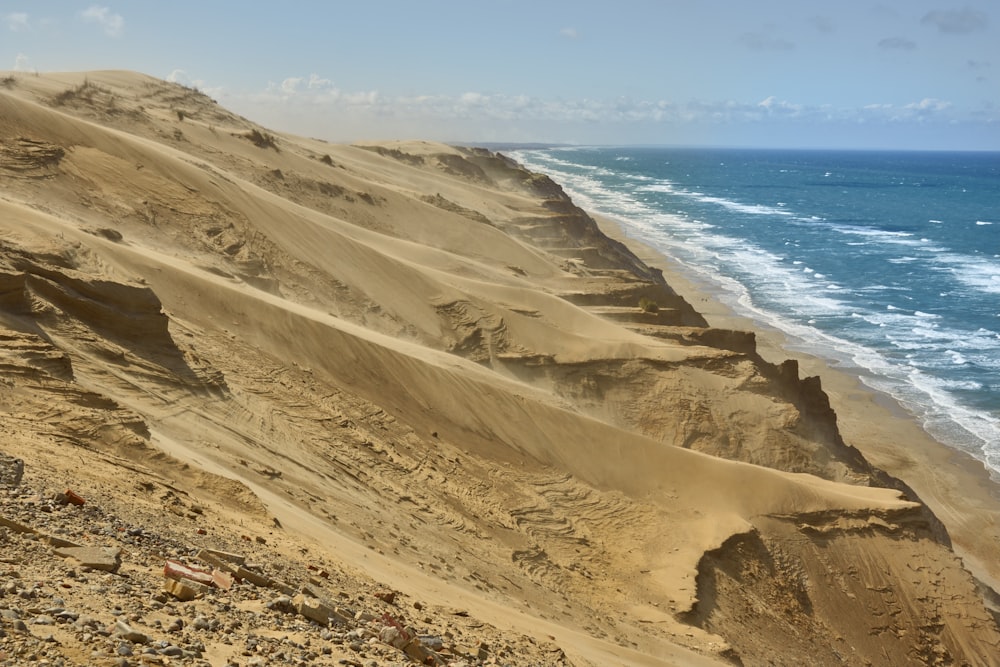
(15, 526)
(393, 637)
(173, 569)
(218, 557)
(313, 608)
(222, 579)
(69, 497)
(416, 651)
(253, 577)
(11, 471)
(126, 632)
(184, 590)
(96, 558)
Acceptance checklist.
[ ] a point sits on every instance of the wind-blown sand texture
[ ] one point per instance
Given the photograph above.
(425, 367)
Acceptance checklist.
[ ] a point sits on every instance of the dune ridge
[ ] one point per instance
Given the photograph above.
(428, 365)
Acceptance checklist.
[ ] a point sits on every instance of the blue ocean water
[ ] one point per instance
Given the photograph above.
(887, 264)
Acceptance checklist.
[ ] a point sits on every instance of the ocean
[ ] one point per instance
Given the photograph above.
(886, 264)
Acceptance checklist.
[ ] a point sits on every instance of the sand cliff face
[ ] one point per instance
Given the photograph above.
(427, 364)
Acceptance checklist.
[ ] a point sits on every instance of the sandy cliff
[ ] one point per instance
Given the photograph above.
(426, 368)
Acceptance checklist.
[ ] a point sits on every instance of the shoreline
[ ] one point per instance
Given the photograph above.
(956, 486)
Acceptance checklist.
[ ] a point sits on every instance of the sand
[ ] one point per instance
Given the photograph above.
(426, 369)
(957, 487)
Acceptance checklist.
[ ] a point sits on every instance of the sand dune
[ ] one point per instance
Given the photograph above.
(429, 366)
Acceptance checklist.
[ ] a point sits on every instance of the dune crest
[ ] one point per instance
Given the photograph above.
(428, 365)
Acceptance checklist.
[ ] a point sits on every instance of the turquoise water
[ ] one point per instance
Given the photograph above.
(885, 263)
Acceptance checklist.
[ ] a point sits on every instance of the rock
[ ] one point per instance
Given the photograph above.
(221, 579)
(282, 603)
(96, 558)
(217, 558)
(254, 578)
(393, 637)
(69, 497)
(313, 608)
(416, 651)
(11, 471)
(126, 632)
(173, 569)
(389, 597)
(184, 590)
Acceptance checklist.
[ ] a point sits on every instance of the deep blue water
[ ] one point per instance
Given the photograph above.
(885, 263)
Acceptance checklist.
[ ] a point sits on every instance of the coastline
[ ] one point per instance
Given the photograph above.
(408, 385)
(954, 485)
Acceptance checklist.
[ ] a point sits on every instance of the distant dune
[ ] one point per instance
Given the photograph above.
(423, 369)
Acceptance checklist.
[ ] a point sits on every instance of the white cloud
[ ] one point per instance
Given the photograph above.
(316, 82)
(569, 32)
(112, 24)
(313, 88)
(17, 21)
(22, 64)
(181, 77)
(321, 109)
(928, 105)
(290, 85)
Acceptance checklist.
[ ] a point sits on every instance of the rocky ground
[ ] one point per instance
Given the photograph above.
(82, 583)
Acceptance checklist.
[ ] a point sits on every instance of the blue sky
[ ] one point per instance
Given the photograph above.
(915, 74)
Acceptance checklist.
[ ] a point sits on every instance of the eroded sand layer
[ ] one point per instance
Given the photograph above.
(420, 369)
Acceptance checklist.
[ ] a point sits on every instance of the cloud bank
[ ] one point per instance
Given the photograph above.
(321, 94)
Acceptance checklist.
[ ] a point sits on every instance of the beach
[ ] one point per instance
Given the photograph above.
(957, 487)
(401, 402)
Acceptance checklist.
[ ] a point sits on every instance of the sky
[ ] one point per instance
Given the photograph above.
(895, 74)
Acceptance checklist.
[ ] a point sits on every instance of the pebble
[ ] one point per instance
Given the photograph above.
(129, 618)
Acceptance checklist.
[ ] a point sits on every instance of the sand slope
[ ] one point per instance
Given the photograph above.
(431, 366)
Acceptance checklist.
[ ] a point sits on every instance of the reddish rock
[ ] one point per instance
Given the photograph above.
(173, 569)
(389, 597)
